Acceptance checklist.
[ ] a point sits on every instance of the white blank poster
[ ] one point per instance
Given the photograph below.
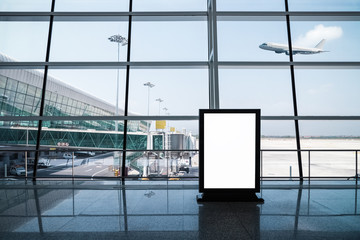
(229, 150)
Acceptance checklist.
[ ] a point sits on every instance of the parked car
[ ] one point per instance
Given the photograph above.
(184, 168)
(84, 154)
(68, 155)
(17, 170)
(44, 162)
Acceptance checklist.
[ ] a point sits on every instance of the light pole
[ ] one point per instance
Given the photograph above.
(149, 85)
(123, 41)
(160, 101)
(146, 167)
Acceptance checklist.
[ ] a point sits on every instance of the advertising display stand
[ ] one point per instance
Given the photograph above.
(229, 167)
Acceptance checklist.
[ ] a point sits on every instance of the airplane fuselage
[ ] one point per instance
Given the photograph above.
(283, 48)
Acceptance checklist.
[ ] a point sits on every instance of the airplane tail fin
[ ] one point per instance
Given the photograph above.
(320, 45)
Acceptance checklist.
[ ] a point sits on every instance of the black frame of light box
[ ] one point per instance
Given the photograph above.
(228, 191)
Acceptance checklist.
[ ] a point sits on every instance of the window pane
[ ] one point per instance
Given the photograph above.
(88, 41)
(324, 5)
(269, 90)
(176, 135)
(92, 5)
(87, 164)
(24, 41)
(16, 90)
(169, 41)
(341, 39)
(278, 134)
(280, 164)
(96, 164)
(332, 164)
(89, 92)
(328, 91)
(25, 5)
(241, 40)
(179, 91)
(330, 134)
(169, 5)
(253, 5)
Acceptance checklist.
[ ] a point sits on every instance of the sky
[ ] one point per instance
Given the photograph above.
(319, 91)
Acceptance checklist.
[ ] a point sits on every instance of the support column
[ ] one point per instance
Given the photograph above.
(293, 87)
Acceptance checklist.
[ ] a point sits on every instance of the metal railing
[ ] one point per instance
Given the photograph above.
(310, 164)
(105, 157)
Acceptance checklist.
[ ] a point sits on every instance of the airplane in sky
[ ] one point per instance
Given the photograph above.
(283, 48)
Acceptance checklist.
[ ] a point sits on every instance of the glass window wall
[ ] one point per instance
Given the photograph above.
(181, 59)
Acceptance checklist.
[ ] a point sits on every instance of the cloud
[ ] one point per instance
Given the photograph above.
(314, 36)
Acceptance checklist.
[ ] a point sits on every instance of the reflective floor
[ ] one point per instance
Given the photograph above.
(169, 211)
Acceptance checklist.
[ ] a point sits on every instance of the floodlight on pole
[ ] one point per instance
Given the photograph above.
(160, 101)
(119, 39)
(149, 85)
(123, 41)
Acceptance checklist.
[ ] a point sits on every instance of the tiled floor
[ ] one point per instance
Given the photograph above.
(169, 211)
